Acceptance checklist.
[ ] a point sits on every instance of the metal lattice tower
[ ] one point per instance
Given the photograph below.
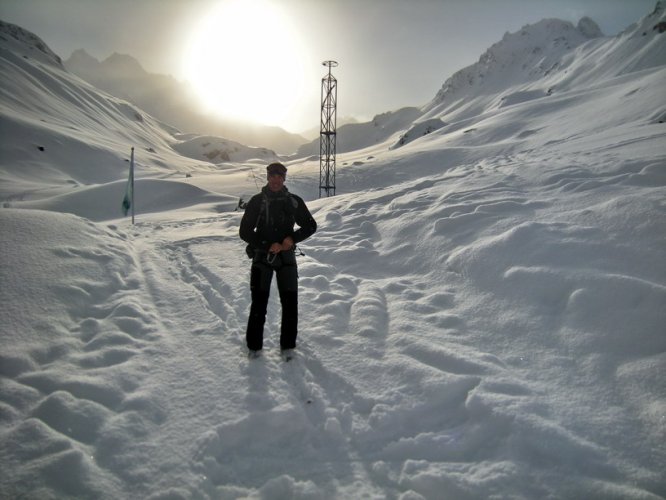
(327, 131)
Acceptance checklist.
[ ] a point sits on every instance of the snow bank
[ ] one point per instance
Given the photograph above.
(70, 321)
(100, 203)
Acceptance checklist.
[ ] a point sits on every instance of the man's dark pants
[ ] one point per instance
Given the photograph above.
(261, 276)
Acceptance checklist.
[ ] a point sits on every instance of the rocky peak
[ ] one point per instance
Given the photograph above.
(81, 60)
(27, 44)
(589, 28)
(123, 63)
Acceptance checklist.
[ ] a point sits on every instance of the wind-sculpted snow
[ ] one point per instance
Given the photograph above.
(72, 392)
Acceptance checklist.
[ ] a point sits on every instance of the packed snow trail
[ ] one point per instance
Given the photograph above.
(266, 411)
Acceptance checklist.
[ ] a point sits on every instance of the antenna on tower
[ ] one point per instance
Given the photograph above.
(327, 131)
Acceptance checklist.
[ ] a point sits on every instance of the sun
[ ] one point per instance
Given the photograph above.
(245, 62)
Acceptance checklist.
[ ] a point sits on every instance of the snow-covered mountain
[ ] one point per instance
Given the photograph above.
(62, 136)
(27, 43)
(545, 58)
(542, 62)
(520, 58)
(62, 129)
(171, 101)
(482, 307)
(537, 61)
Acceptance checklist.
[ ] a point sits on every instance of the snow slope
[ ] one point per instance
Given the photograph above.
(482, 316)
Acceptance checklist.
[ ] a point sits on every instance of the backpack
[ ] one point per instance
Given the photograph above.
(263, 211)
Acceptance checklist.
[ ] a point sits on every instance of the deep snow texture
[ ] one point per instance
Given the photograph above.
(482, 309)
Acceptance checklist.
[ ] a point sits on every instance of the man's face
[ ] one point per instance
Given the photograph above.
(275, 182)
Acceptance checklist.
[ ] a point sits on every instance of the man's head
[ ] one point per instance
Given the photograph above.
(276, 174)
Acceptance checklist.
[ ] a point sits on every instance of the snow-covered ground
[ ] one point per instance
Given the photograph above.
(482, 308)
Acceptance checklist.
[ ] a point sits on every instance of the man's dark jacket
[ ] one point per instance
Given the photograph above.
(273, 215)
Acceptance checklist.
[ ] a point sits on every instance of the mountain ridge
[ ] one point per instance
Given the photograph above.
(68, 134)
(530, 63)
(32, 45)
(546, 63)
(172, 101)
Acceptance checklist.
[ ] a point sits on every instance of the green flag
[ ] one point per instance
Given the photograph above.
(128, 200)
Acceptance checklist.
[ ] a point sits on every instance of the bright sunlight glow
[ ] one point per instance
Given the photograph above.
(245, 62)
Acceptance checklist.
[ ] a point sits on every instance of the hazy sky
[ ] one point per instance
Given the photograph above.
(391, 53)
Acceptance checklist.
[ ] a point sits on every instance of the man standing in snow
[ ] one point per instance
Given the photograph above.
(267, 227)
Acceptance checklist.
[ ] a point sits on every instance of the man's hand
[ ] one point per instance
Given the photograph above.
(287, 244)
(275, 248)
